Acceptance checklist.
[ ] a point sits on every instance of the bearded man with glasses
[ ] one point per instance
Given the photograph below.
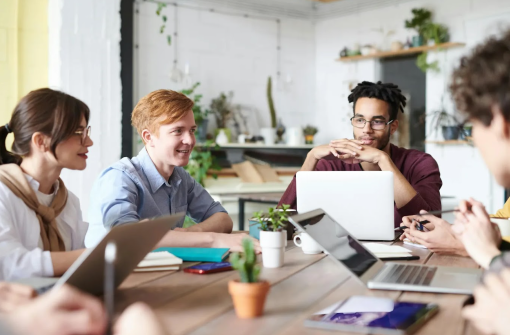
(416, 174)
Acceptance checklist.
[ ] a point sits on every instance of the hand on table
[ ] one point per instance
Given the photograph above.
(440, 237)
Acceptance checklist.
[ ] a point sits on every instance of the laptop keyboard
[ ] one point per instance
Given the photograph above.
(410, 274)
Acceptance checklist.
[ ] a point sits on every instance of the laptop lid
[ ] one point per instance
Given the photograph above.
(348, 196)
(339, 243)
(133, 241)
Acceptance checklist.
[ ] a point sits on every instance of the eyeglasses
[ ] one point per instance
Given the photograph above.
(360, 122)
(83, 134)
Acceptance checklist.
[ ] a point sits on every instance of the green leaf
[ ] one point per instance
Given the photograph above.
(169, 39)
(162, 29)
(164, 18)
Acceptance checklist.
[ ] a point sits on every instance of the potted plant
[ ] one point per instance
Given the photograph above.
(273, 235)
(448, 124)
(309, 132)
(201, 160)
(223, 111)
(421, 17)
(248, 293)
(269, 134)
(199, 113)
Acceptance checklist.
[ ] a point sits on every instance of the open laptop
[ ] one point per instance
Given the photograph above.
(362, 201)
(133, 240)
(347, 251)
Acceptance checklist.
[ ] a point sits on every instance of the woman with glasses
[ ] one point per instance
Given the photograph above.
(41, 227)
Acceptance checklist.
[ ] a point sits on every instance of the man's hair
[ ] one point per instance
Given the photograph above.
(386, 92)
(482, 80)
(158, 108)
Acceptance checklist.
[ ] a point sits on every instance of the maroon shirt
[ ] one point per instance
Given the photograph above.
(419, 168)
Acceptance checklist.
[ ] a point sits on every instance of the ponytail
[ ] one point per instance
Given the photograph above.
(7, 157)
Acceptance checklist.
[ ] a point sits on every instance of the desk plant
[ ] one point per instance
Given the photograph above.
(248, 293)
(273, 235)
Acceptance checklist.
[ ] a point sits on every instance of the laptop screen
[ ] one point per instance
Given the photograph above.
(337, 241)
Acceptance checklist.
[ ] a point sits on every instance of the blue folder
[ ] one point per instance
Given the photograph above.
(198, 254)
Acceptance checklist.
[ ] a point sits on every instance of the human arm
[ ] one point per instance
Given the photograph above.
(64, 311)
(491, 310)
(201, 207)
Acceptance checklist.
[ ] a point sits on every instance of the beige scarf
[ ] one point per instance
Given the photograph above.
(12, 176)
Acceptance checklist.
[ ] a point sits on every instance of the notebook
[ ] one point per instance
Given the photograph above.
(198, 254)
(159, 261)
(387, 251)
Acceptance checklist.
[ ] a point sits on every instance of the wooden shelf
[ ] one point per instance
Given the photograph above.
(261, 146)
(450, 142)
(403, 52)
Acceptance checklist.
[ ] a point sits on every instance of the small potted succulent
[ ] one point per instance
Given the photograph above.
(248, 293)
(273, 236)
(309, 132)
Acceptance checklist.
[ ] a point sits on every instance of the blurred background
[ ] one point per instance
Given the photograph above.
(270, 79)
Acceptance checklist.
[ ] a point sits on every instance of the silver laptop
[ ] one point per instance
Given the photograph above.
(133, 240)
(362, 201)
(347, 251)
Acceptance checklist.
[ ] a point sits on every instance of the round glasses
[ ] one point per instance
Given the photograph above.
(360, 122)
(83, 134)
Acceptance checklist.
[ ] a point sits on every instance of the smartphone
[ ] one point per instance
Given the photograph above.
(373, 315)
(206, 268)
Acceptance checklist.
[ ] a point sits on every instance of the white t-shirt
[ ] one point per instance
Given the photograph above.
(21, 254)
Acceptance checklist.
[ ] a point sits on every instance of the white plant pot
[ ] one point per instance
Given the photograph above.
(269, 135)
(273, 248)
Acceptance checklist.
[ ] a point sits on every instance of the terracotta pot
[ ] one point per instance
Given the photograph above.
(249, 298)
(309, 139)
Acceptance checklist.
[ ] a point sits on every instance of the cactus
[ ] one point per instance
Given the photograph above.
(270, 102)
(246, 263)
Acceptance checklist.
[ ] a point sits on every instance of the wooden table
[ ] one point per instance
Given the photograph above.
(201, 304)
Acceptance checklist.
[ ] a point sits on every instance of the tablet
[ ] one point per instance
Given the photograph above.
(372, 315)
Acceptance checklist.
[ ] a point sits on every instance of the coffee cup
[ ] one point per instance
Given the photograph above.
(307, 244)
(504, 227)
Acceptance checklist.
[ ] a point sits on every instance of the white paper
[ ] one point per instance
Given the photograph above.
(377, 248)
(360, 304)
(408, 242)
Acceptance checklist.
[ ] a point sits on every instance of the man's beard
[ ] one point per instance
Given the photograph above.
(384, 140)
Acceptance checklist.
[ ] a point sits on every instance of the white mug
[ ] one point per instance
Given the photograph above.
(306, 243)
(504, 227)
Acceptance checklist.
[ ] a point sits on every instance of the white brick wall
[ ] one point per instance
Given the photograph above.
(463, 172)
(231, 53)
(84, 50)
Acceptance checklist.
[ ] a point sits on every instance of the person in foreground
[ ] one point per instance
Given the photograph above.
(481, 89)
(416, 174)
(67, 311)
(41, 228)
(154, 183)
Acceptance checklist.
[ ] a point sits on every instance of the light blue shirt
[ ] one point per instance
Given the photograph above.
(132, 190)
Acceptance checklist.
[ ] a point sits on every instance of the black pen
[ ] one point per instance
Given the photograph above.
(419, 225)
(110, 255)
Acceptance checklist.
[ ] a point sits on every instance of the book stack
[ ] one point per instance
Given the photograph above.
(159, 261)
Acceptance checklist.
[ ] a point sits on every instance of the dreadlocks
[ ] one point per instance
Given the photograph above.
(386, 92)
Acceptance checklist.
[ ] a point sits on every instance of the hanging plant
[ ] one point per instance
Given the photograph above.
(164, 19)
(421, 62)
